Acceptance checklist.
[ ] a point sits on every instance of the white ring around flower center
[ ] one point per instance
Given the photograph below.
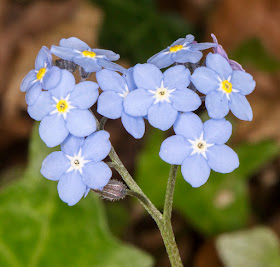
(162, 94)
(199, 146)
(77, 162)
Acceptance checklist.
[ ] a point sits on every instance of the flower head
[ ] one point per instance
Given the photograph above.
(182, 50)
(78, 167)
(160, 96)
(225, 88)
(64, 110)
(199, 148)
(44, 76)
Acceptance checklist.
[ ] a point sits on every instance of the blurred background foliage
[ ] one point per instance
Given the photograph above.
(215, 225)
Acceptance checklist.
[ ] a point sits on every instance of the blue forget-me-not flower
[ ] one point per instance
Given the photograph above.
(199, 148)
(44, 76)
(225, 89)
(64, 110)
(160, 96)
(78, 167)
(182, 50)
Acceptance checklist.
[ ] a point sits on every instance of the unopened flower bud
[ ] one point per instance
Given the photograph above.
(66, 64)
(83, 74)
(114, 190)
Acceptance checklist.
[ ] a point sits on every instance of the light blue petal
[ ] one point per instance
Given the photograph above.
(106, 64)
(72, 145)
(176, 77)
(243, 82)
(162, 115)
(110, 105)
(110, 81)
(33, 94)
(128, 76)
(43, 59)
(219, 64)
(185, 100)
(96, 175)
(147, 76)
(52, 130)
(240, 107)
(110, 55)
(189, 125)
(195, 170)
(80, 123)
(71, 188)
(205, 80)
(89, 64)
(28, 81)
(42, 107)
(175, 149)
(55, 165)
(97, 146)
(184, 56)
(84, 95)
(162, 59)
(217, 105)
(189, 38)
(133, 125)
(200, 46)
(51, 78)
(74, 43)
(222, 158)
(138, 102)
(63, 52)
(217, 131)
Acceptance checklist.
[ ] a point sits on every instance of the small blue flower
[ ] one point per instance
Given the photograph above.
(225, 89)
(110, 103)
(160, 96)
(78, 167)
(182, 50)
(44, 76)
(92, 60)
(64, 110)
(199, 148)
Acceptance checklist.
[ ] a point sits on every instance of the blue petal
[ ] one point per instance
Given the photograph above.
(243, 82)
(28, 81)
(72, 145)
(52, 130)
(219, 64)
(97, 146)
(63, 52)
(185, 100)
(176, 77)
(110, 81)
(133, 125)
(96, 175)
(162, 115)
(240, 107)
(175, 149)
(66, 85)
(162, 59)
(84, 95)
(195, 170)
(80, 123)
(110, 65)
(217, 105)
(189, 125)
(147, 76)
(189, 38)
(54, 165)
(130, 79)
(222, 158)
(110, 105)
(217, 131)
(33, 94)
(71, 188)
(74, 43)
(89, 64)
(43, 59)
(110, 55)
(184, 56)
(138, 102)
(205, 80)
(200, 46)
(42, 107)
(51, 78)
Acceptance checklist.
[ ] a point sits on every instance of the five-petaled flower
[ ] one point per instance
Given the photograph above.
(78, 167)
(199, 148)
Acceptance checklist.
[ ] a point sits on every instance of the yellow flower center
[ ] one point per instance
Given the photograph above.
(41, 73)
(62, 106)
(175, 48)
(88, 54)
(227, 86)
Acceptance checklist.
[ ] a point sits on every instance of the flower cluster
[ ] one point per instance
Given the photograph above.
(140, 93)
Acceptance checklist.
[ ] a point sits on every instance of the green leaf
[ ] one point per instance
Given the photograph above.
(38, 229)
(251, 248)
(218, 206)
